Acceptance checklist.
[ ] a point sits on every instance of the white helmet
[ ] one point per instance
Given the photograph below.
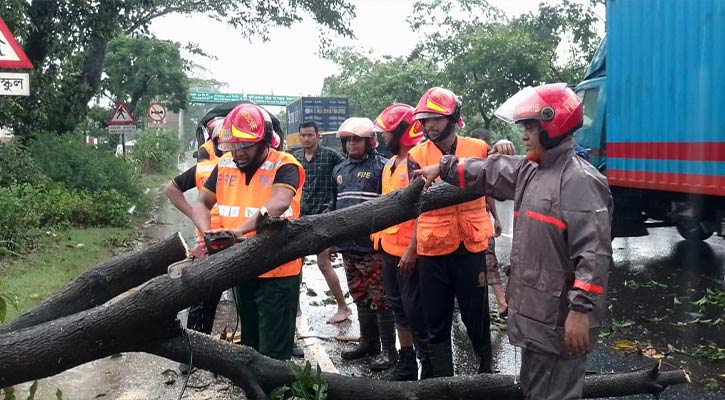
(356, 126)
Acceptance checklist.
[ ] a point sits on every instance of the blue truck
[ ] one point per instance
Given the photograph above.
(654, 115)
(328, 112)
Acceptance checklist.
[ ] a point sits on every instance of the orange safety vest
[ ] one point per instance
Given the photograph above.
(441, 231)
(395, 239)
(209, 146)
(203, 170)
(238, 201)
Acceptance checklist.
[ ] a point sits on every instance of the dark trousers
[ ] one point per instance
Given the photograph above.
(201, 316)
(403, 295)
(463, 276)
(267, 309)
(550, 377)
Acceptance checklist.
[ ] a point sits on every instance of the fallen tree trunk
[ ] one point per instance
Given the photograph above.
(225, 359)
(161, 298)
(277, 242)
(103, 282)
(145, 320)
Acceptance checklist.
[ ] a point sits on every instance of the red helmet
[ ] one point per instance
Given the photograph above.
(438, 102)
(398, 119)
(246, 125)
(557, 108)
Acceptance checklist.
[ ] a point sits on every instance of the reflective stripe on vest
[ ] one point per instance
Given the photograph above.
(238, 201)
(203, 170)
(441, 231)
(394, 240)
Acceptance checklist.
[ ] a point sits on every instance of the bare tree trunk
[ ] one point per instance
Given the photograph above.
(246, 367)
(145, 320)
(277, 242)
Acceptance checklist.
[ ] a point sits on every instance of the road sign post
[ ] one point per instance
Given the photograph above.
(121, 121)
(157, 112)
(12, 56)
(14, 84)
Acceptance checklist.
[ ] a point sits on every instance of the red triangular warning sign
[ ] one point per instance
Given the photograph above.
(11, 55)
(121, 115)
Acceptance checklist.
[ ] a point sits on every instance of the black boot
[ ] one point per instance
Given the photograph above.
(441, 359)
(484, 365)
(423, 352)
(406, 369)
(386, 327)
(369, 343)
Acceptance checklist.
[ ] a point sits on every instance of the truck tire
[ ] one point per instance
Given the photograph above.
(694, 232)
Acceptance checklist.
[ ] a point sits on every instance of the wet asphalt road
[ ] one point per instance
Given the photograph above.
(649, 273)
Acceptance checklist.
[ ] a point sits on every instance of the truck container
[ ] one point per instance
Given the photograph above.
(654, 115)
(328, 112)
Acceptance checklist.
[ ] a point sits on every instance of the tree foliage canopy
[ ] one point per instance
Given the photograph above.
(67, 42)
(140, 69)
(474, 49)
(373, 85)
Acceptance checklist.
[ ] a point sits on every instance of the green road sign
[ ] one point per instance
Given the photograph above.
(271, 100)
(209, 97)
(261, 99)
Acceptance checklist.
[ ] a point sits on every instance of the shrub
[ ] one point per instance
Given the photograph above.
(16, 165)
(157, 150)
(27, 211)
(105, 208)
(67, 160)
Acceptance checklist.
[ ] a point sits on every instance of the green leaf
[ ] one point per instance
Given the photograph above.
(32, 390)
(3, 309)
(280, 393)
(711, 384)
(58, 394)
(9, 393)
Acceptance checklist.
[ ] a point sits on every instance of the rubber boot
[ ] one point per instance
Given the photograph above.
(484, 365)
(386, 327)
(426, 367)
(423, 352)
(441, 359)
(369, 343)
(406, 369)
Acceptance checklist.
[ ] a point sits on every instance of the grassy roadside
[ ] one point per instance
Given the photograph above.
(31, 279)
(65, 254)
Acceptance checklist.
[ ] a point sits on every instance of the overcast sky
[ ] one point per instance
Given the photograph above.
(289, 63)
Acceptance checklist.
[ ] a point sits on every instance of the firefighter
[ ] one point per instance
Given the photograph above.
(561, 250)
(358, 179)
(209, 149)
(254, 179)
(400, 273)
(201, 316)
(451, 241)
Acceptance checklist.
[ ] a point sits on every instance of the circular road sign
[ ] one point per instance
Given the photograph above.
(157, 112)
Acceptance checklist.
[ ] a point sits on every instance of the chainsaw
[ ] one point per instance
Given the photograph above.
(214, 242)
